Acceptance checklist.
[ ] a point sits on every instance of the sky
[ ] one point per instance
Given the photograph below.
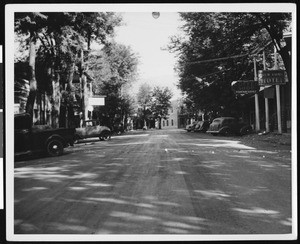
(147, 36)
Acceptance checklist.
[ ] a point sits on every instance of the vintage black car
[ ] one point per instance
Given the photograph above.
(202, 126)
(191, 126)
(92, 128)
(198, 126)
(228, 126)
(31, 139)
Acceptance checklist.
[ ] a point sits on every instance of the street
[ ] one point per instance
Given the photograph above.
(155, 182)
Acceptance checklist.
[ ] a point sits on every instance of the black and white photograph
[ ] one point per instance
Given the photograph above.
(150, 122)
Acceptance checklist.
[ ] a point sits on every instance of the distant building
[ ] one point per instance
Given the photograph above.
(172, 121)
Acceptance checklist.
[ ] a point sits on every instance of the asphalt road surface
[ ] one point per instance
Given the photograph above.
(155, 182)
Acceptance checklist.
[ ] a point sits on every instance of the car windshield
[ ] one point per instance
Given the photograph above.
(90, 123)
(217, 121)
(228, 121)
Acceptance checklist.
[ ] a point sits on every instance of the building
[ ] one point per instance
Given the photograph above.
(172, 121)
(267, 94)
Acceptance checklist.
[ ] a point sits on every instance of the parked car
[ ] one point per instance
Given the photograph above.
(198, 126)
(202, 126)
(92, 128)
(40, 138)
(228, 126)
(191, 126)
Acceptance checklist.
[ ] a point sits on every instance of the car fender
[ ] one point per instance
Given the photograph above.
(104, 131)
(77, 137)
(223, 129)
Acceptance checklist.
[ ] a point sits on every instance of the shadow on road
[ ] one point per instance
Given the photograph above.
(225, 195)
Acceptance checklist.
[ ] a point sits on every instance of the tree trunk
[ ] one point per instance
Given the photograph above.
(125, 121)
(56, 95)
(84, 97)
(71, 118)
(71, 71)
(32, 80)
(159, 123)
(286, 58)
(62, 116)
(284, 53)
(70, 110)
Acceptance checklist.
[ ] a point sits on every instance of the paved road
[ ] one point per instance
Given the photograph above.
(155, 182)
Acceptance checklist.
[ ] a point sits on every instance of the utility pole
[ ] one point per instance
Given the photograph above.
(83, 87)
(277, 95)
(257, 120)
(266, 99)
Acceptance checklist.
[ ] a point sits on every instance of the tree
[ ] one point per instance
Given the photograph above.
(219, 50)
(73, 32)
(31, 25)
(127, 109)
(144, 97)
(276, 24)
(161, 102)
(113, 67)
(96, 26)
(57, 39)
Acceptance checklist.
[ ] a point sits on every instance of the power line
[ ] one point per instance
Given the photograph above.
(254, 52)
(221, 71)
(218, 59)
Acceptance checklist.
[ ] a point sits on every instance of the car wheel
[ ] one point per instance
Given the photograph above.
(54, 148)
(104, 136)
(226, 132)
(246, 130)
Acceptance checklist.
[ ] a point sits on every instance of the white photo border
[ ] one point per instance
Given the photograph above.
(10, 9)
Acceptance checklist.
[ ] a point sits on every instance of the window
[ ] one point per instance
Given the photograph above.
(167, 122)
(172, 122)
(163, 123)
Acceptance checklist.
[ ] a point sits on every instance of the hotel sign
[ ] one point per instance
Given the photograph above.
(271, 77)
(245, 87)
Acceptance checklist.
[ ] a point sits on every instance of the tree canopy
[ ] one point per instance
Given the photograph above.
(219, 49)
(144, 95)
(114, 68)
(161, 102)
(144, 98)
(56, 40)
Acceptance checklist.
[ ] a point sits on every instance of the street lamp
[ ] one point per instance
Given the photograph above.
(155, 15)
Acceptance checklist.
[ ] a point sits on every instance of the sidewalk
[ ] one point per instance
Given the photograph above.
(282, 139)
(270, 140)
